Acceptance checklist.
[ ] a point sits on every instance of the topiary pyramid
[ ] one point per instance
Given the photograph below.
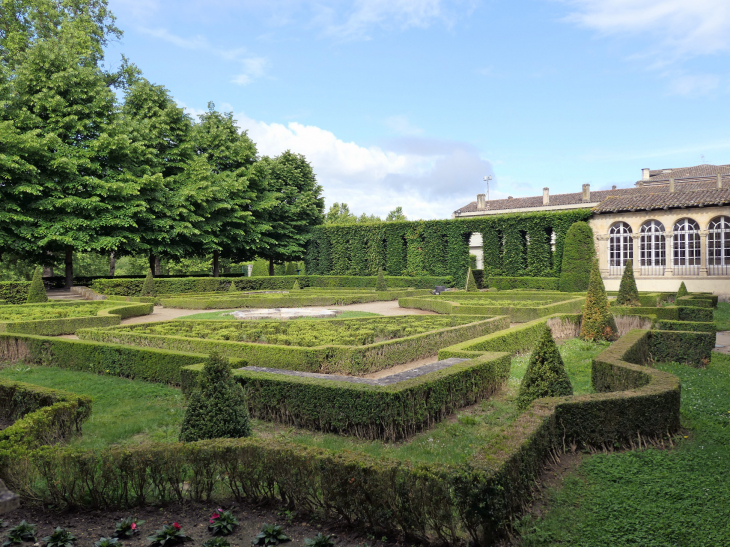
(545, 375)
(217, 407)
(380, 284)
(296, 286)
(291, 268)
(682, 291)
(471, 283)
(148, 287)
(37, 292)
(597, 322)
(628, 294)
(578, 254)
(232, 287)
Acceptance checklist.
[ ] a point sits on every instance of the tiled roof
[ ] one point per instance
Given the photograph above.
(576, 198)
(664, 200)
(687, 172)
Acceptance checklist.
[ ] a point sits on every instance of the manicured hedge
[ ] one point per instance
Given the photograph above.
(698, 300)
(69, 325)
(324, 359)
(14, 292)
(691, 348)
(127, 362)
(693, 326)
(428, 501)
(389, 413)
(694, 314)
(132, 287)
(536, 283)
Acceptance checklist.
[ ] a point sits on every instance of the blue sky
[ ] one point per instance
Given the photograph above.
(413, 102)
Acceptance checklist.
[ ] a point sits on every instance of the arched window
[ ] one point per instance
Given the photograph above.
(718, 246)
(653, 248)
(686, 247)
(620, 247)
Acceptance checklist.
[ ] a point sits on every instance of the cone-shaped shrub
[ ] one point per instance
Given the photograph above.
(628, 294)
(578, 254)
(380, 283)
(148, 287)
(681, 292)
(232, 287)
(217, 407)
(37, 292)
(296, 286)
(545, 375)
(471, 283)
(291, 268)
(597, 322)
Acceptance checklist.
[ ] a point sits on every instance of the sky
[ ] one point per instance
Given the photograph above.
(412, 103)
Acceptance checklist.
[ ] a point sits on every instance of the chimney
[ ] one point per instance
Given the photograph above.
(546, 196)
(645, 173)
(586, 193)
(671, 184)
(719, 180)
(613, 187)
(481, 202)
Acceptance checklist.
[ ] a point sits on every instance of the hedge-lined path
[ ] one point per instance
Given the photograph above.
(162, 314)
(383, 308)
(722, 342)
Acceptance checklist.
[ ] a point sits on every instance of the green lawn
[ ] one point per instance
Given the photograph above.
(653, 498)
(722, 316)
(123, 411)
(225, 315)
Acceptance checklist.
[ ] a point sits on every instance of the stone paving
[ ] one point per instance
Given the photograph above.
(722, 342)
(386, 381)
(285, 313)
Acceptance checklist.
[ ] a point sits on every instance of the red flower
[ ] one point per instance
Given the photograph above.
(176, 525)
(134, 526)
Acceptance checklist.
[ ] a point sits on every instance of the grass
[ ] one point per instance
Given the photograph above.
(653, 497)
(722, 316)
(225, 315)
(124, 411)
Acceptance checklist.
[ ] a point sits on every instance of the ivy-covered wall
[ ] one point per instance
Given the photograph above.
(517, 244)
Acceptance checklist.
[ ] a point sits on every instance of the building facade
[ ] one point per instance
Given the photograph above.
(674, 225)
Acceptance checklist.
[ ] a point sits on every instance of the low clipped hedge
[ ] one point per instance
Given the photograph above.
(690, 348)
(14, 292)
(701, 315)
(127, 362)
(291, 300)
(325, 359)
(165, 285)
(669, 313)
(41, 415)
(698, 300)
(693, 326)
(532, 283)
(389, 413)
(427, 501)
(517, 314)
(69, 325)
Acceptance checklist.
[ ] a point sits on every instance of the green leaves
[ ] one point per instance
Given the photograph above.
(545, 375)
(271, 534)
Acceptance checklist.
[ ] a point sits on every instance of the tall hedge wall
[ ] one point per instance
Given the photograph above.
(441, 247)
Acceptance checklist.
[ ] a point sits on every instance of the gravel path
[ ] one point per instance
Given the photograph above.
(162, 314)
(383, 308)
(723, 339)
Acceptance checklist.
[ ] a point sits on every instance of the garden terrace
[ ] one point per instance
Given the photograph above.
(56, 318)
(343, 346)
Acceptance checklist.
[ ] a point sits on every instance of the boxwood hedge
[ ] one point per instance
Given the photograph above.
(14, 292)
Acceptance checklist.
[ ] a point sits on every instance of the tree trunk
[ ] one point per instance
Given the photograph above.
(271, 267)
(158, 266)
(69, 261)
(112, 264)
(216, 263)
(152, 264)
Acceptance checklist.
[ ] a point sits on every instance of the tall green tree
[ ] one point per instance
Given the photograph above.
(339, 213)
(396, 214)
(578, 255)
(61, 128)
(299, 206)
(232, 223)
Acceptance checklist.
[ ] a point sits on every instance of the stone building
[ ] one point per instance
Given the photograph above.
(674, 224)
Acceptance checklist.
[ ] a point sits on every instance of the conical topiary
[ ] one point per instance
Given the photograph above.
(471, 283)
(148, 287)
(545, 375)
(296, 286)
(380, 284)
(37, 292)
(578, 253)
(597, 322)
(232, 287)
(291, 268)
(628, 294)
(682, 291)
(217, 407)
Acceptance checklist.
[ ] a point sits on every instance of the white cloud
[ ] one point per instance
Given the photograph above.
(687, 27)
(429, 179)
(252, 67)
